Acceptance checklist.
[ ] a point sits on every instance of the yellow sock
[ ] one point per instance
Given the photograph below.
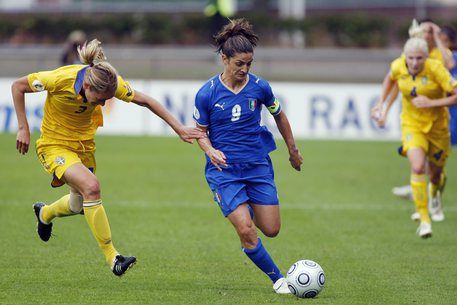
(60, 208)
(99, 225)
(419, 188)
(442, 183)
(434, 188)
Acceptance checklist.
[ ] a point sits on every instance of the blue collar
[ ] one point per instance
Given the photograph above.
(80, 79)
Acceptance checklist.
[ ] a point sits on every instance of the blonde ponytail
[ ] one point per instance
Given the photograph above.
(416, 40)
(91, 53)
(415, 30)
(101, 75)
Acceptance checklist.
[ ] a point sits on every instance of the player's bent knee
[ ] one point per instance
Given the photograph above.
(91, 190)
(271, 233)
(418, 168)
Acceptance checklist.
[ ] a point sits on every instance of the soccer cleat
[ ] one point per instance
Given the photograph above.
(437, 216)
(44, 230)
(280, 286)
(404, 192)
(415, 216)
(424, 230)
(122, 264)
(435, 207)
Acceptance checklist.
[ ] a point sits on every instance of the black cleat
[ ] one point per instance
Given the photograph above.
(44, 230)
(122, 264)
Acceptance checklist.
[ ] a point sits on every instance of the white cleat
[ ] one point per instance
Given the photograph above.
(404, 192)
(415, 216)
(437, 216)
(424, 230)
(434, 206)
(280, 286)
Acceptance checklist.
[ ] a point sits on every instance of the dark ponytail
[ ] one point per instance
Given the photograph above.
(451, 33)
(236, 37)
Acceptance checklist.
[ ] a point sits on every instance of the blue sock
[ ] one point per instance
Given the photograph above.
(262, 259)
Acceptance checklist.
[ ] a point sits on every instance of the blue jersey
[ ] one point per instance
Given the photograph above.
(453, 71)
(233, 119)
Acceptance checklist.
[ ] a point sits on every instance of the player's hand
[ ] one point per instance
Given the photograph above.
(376, 112)
(217, 158)
(436, 31)
(188, 134)
(23, 140)
(378, 115)
(381, 121)
(295, 158)
(422, 102)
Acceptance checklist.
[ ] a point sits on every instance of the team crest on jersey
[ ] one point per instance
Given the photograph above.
(424, 80)
(60, 160)
(196, 113)
(38, 85)
(252, 104)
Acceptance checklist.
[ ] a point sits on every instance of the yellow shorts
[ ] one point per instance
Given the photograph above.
(57, 156)
(436, 143)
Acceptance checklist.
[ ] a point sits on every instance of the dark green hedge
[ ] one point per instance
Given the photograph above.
(353, 30)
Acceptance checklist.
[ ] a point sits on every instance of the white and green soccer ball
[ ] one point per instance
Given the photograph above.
(305, 279)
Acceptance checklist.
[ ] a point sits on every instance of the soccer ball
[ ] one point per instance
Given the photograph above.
(305, 279)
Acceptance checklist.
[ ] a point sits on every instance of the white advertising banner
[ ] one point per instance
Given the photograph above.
(315, 110)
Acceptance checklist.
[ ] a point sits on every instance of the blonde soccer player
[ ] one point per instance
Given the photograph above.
(72, 113)
(438, 50)
(425, 132)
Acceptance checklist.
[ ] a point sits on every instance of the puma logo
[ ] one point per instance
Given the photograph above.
(219, 105)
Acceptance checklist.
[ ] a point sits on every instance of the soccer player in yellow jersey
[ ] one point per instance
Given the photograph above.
(425, 132)
(66, 147)
(430, 32)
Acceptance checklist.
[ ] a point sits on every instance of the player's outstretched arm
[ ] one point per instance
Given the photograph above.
(425, 102)
(216, 157)
(18, 90)
(295, 158)
(187, 134)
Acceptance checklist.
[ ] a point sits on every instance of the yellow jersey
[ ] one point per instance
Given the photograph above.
(434, 81)
(67, 115)
(435, 53)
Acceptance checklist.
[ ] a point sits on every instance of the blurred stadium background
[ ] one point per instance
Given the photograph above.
(344, 40)
(325, 59)
(330, 42)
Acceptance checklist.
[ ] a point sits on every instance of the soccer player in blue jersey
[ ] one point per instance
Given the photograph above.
(238, 170)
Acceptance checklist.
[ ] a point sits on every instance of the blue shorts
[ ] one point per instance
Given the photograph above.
(242, 182)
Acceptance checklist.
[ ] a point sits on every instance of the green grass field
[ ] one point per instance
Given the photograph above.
(338, 211)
